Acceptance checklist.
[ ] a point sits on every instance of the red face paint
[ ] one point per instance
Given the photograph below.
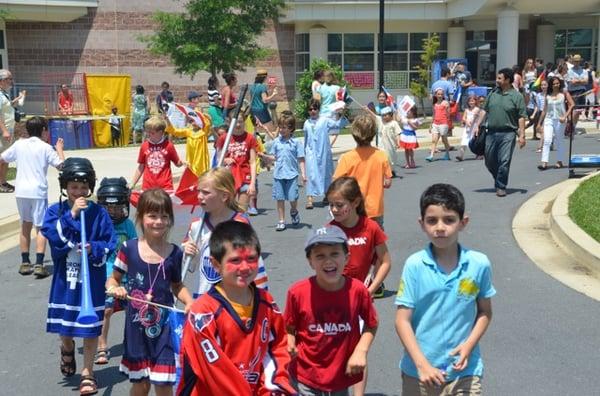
(242, 259)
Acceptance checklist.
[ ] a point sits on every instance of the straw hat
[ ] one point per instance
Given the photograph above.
(577, 58)
(261, 72)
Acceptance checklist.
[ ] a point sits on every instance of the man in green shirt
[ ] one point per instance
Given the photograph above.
(506, 115)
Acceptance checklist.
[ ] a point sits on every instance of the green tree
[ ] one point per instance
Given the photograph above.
(420, 87)
(213, 35)
(304, 85)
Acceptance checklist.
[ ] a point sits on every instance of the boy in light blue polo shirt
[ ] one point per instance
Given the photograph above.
(288, 154)
(444, 303)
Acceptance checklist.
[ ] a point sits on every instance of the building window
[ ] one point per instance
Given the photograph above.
(302, 52)
(575, 41)
(355, 53)
(402, 54)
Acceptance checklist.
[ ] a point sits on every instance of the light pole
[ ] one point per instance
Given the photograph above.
(381, 32)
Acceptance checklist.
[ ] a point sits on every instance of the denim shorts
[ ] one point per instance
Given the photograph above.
(262, 115)
(285, 189)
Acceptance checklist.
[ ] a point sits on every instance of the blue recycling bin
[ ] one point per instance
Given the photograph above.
(76, 134)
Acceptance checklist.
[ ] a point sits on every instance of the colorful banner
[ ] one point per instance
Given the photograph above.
(361, 80)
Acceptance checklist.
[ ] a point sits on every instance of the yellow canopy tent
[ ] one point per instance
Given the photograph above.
(104, 92)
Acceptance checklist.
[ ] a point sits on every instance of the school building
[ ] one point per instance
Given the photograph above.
(42, 38)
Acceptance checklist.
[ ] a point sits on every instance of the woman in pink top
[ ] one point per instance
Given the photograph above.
(439, 126)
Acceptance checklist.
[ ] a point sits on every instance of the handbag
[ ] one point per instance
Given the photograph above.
(477, 143)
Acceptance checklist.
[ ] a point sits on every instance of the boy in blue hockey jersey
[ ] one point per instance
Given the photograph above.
(113, 195)
(62, 227)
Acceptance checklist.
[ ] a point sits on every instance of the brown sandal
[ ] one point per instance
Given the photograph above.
(67, 368)
(102, 356)
(89, 382)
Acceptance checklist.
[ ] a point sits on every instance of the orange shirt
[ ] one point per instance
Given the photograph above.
(370, 167)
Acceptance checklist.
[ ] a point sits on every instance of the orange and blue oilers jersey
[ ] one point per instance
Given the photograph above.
(207, 276)
(224, 354)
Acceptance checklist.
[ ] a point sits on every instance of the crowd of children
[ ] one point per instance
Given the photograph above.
(235, 339)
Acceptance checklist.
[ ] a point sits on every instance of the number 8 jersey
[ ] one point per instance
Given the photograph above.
(224, 354)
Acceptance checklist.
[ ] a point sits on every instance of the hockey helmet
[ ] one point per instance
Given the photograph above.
(114, 191)
(77, 169)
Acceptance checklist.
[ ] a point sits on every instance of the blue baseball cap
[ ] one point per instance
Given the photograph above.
(193, 94)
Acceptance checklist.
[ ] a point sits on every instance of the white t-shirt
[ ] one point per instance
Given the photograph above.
(32, 156)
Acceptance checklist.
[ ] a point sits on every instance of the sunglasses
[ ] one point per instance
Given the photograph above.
(313, 109)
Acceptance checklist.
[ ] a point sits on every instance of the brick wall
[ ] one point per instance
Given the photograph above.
(106, 40)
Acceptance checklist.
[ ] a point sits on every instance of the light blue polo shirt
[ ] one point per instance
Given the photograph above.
(287, 153)
(444, 307)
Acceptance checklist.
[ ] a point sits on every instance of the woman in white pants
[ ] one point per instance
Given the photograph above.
(557, 109)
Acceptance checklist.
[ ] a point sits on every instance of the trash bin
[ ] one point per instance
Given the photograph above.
(76, 134)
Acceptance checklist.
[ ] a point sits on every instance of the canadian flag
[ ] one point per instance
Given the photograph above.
(187, 191)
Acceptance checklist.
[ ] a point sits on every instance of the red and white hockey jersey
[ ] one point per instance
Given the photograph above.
(222, 354)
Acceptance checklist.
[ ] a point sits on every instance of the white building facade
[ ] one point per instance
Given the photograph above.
(490, 34)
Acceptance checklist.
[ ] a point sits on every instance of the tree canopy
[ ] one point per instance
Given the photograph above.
(213, 35)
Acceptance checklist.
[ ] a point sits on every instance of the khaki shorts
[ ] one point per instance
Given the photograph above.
(6, 143)
(441, 129)
(461, 386)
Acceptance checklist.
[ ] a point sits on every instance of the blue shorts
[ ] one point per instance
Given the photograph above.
(285, 189)
(263, 115)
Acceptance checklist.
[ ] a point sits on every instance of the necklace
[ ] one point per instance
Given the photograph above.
(152, 282)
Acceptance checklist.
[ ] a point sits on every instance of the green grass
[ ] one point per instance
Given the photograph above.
(584, 207)
(11, 174)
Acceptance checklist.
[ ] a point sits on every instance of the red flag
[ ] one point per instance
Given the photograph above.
(134, 198)
(187, 191)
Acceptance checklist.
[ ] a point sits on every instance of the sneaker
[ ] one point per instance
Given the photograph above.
(500, 192)
(295, 215)
(40, 272)
(252, 211)
(446, 157)
(26, 269)
(280, 226)
(380, 292)
(429, 159)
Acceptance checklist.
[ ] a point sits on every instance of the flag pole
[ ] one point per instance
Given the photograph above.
(187, 259)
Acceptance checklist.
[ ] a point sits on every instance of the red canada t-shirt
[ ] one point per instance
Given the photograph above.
(239, 149)
(362, 240)
(157, 160)
(327, 331)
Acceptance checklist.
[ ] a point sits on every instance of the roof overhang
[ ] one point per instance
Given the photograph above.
(46, 10)
(368, 10)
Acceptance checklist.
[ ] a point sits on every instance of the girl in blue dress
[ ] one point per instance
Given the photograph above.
(153, 268)
(317, 151)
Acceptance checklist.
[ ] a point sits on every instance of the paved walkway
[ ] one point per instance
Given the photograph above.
(543, 337)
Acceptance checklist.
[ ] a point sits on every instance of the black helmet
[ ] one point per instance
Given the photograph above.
(114, 191)
(77, 169)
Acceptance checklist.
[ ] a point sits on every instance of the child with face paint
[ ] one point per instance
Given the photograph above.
(366, 239)
(234, 340)
(153, 268)
(216, 193)
(366, 242)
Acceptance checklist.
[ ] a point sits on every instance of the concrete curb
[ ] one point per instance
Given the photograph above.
(568, 235)
(531, 229)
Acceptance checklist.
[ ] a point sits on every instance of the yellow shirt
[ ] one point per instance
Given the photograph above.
(243, 311)
(196, 148)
